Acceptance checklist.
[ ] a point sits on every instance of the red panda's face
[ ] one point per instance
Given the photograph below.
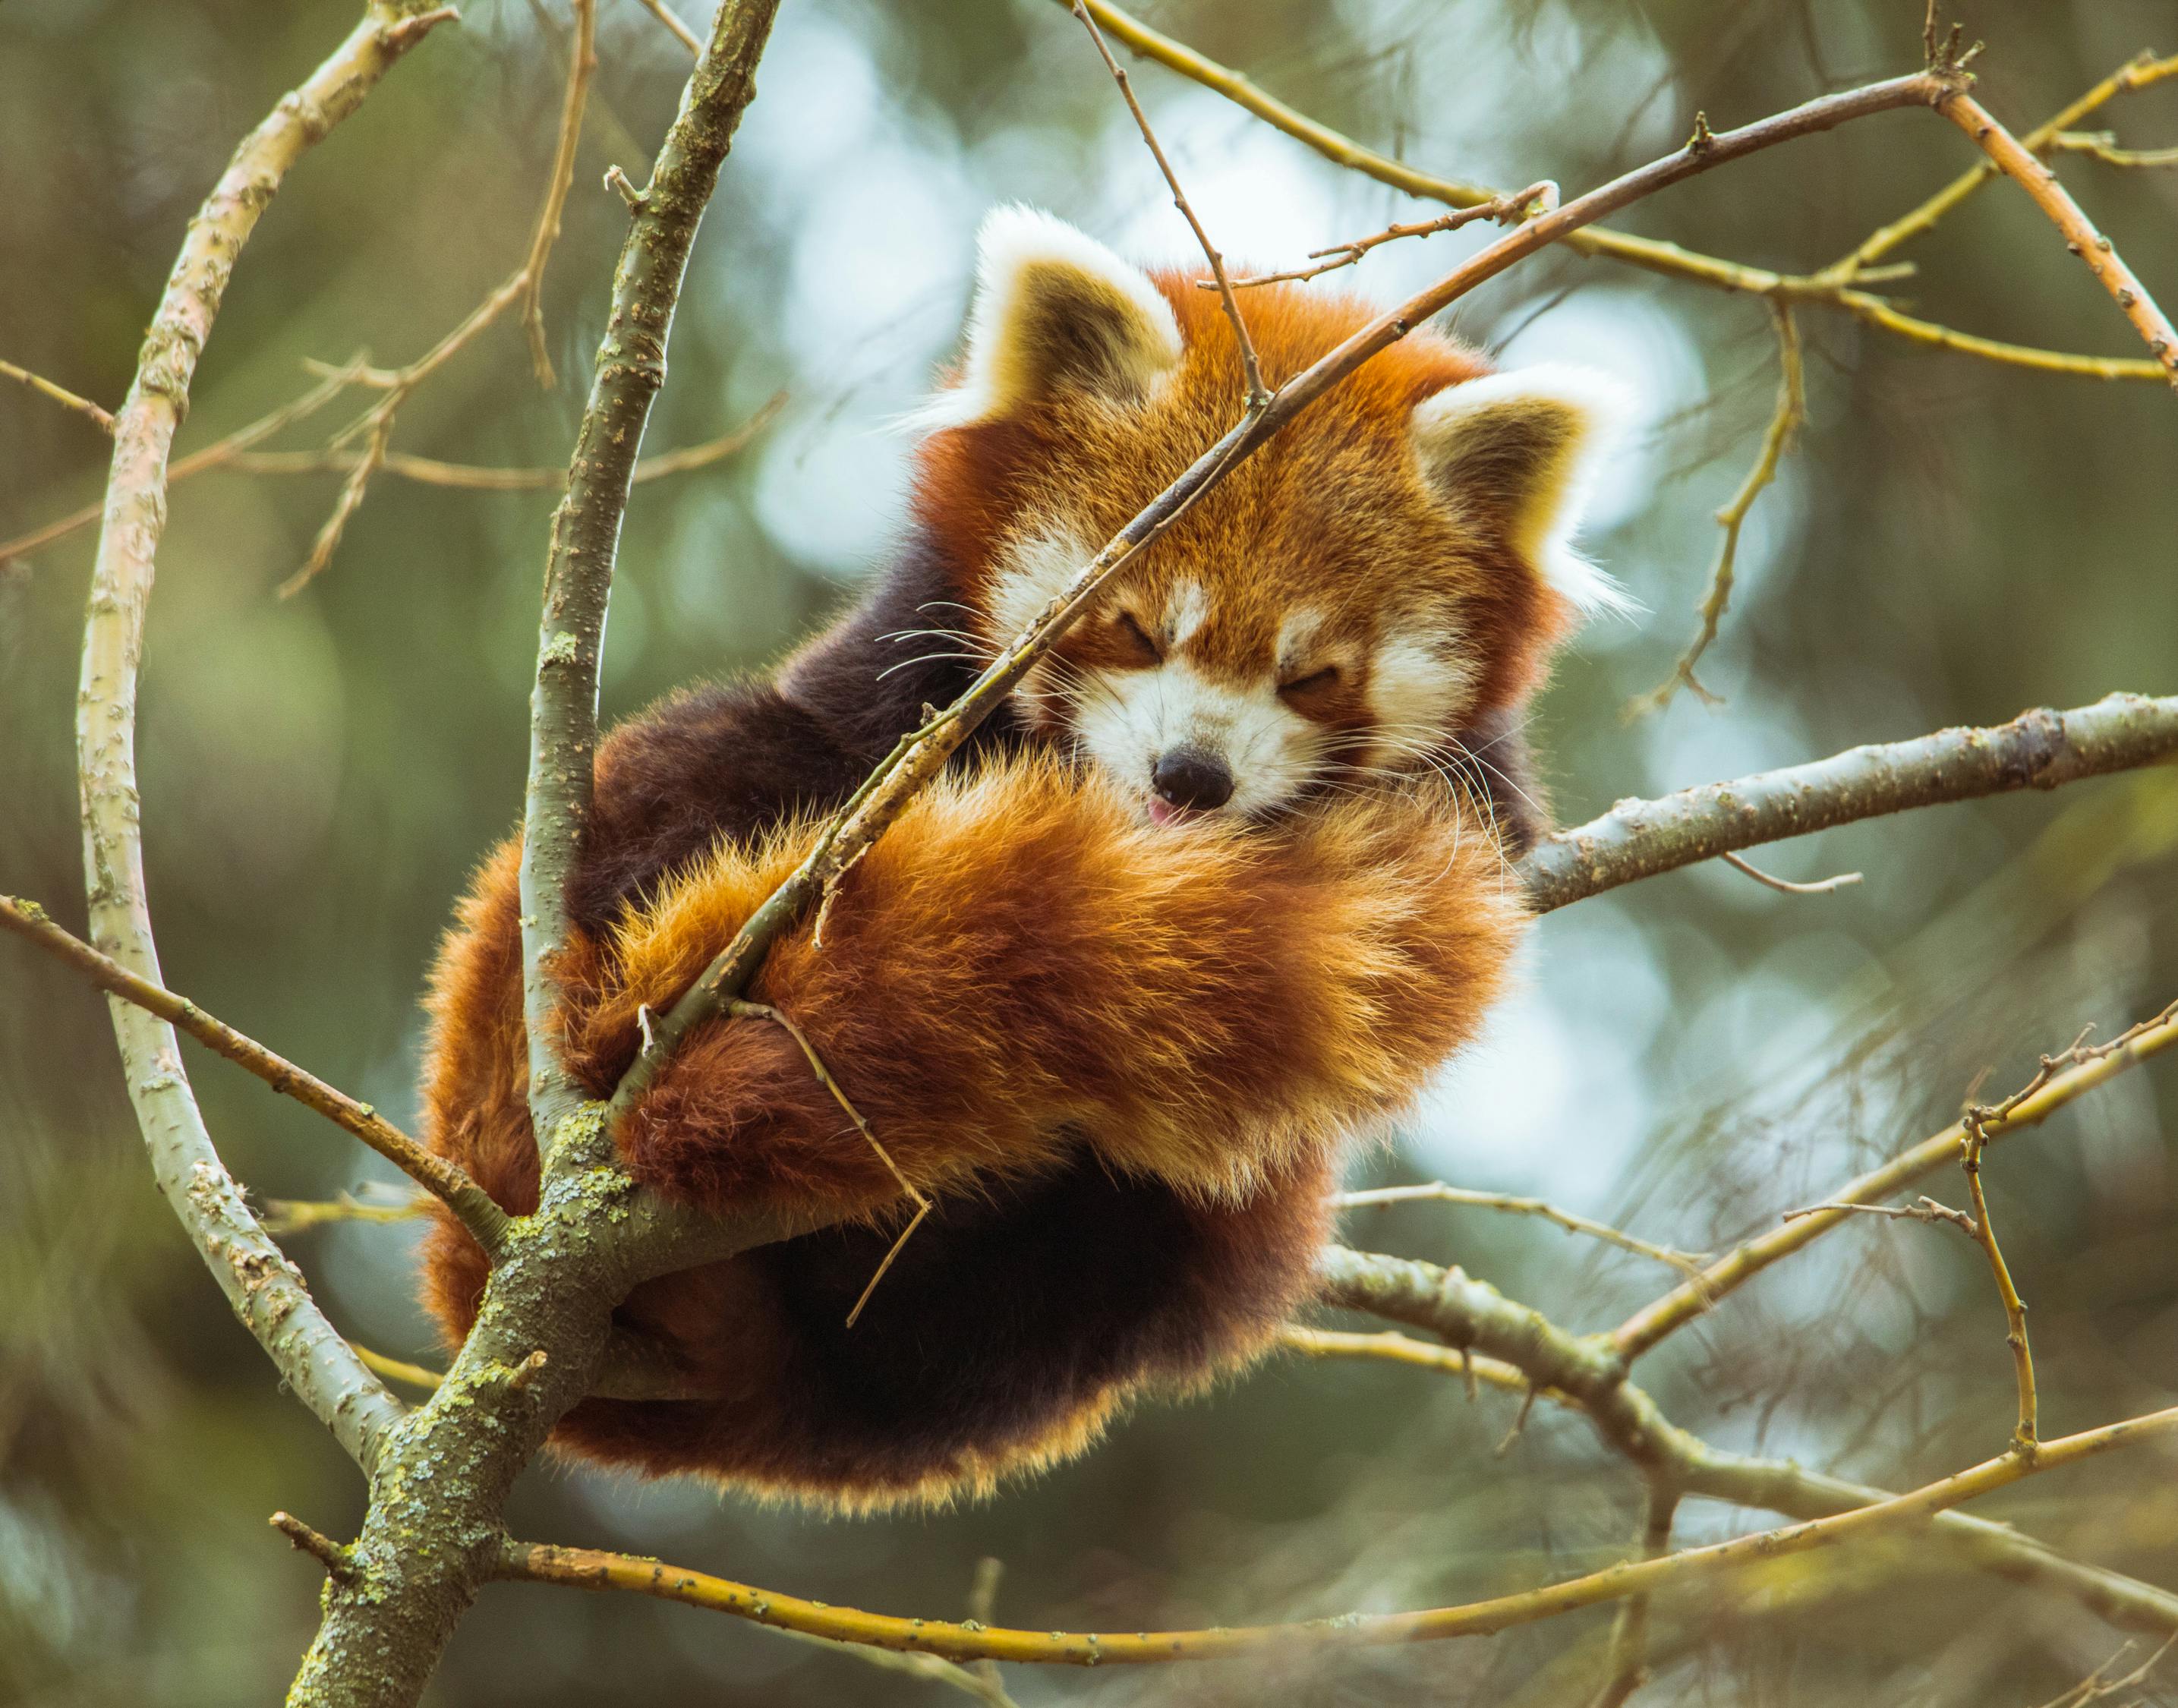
(1387, 571)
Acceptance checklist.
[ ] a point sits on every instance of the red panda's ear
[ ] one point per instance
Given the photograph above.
(1515, 454)
(1054, 310)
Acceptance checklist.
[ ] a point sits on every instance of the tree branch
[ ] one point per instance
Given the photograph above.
(213, 456)
(2050, 1093)
(2144, 69)
(1792, 409)
(1251, 371)
(468, 1202)
(1518, 1348)
(630, 367)
(266, 1291)
(432, 1533)
(593, 1569)
(582, 62)
(2081, 237)
(1437, 1192)
(60, 395)
(1827, 286)
(2040, 749)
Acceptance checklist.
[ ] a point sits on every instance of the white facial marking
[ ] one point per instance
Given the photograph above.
(1130, 720)
(1416, 691)
(1183, 612)
(1032, 571)
(1296, 635)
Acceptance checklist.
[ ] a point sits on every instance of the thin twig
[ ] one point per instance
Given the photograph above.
(582, 62)
(429, 471)
(1827, 286)
(1251, 371)
(1926, 1209)
(2102, 145)
(664, 13)
(596, 1569)
(1790, 410)
(60, 395)
(2024, 1430)
(435, 1173)
(2069, 1077)
(285, 1216)
(1515, 1347)
(331, 384)
(2139, 73)
(1823, 886)
(760, 1010)
(2098, 1685)
(1627, 1665)
(400, 1369)
(1879, 311)
(375, 426)
(320, 1548)
(1437, 1191)
(1505, 209)
(2015, 161)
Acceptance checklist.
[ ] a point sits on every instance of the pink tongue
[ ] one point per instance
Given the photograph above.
(1162, 811)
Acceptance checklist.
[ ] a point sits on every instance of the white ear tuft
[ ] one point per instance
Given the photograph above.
(1054, 308)
(1517, 452)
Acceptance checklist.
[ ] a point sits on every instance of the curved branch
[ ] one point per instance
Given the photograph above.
(2040, 749)
(593, 1569)
(266, 1291)
(468, 1200)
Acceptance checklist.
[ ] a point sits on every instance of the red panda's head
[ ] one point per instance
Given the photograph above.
(1390, 570)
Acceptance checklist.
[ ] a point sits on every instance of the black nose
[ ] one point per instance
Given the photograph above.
(1189, 777)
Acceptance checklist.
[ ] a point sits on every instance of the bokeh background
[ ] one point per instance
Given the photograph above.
(1951, 542)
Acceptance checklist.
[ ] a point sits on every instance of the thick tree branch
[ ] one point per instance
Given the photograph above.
(589, 1568)
(265, 1289)
(2039, 749)
(631, 367)
(432, 1535)
(1517, 1348)
(460, 1194)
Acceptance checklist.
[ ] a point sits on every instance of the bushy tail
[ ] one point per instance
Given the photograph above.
(1022, 964)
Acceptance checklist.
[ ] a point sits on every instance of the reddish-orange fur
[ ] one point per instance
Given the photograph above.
(1022, 968)
(1122, 1058)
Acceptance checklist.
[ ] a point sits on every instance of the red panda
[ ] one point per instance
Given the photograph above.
(1195, 907)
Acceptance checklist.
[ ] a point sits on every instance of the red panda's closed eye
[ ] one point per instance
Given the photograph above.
(1138, 640)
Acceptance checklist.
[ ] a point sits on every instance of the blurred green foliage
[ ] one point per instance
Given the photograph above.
(1951, 542)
